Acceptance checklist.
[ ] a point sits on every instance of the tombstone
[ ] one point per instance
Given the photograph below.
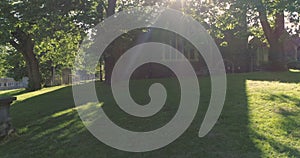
(67, 76)
(5, 124)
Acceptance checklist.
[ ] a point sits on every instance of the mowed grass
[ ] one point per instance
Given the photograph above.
(260, 118)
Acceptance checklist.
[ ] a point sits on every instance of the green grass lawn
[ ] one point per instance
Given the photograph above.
(261, 118)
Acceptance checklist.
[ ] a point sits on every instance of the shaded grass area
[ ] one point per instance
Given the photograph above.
(261, 118)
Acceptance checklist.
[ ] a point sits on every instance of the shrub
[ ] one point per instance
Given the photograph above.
(294, 65)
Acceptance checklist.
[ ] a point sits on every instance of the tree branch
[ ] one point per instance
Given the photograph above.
(265, 24)
(111, 7)
(279, 23)
(104, 6)
(15, 45)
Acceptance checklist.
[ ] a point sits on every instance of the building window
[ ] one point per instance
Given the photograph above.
(184, 48)
(191, 55)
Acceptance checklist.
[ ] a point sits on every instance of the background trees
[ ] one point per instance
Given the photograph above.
(241, 18)
(273, 17)
(12, 63)
(28, 24)
(46, 34)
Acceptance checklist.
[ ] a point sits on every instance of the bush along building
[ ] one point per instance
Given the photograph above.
(240, 54)
(153, 70)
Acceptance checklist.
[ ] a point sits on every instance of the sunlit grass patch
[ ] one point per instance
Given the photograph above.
(274, 114)
(12, 92)
(294, 70)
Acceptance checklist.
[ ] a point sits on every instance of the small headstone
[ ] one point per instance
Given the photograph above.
(5, 122)
(67, 76)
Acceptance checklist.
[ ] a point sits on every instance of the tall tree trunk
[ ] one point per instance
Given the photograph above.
(276, 57)
(33, 69)
(276, 52)
(111, 9)
(25, 46)
(109, 61)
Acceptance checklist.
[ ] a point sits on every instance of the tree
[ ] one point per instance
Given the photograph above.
(12, 64)
(3, 61)
(27, 23)
(109, 61)
(110, 8)
(273, 34)
(57, 53)
(267, 17)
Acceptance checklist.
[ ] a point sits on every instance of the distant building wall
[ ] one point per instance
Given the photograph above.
(10, 83)
(291, 48)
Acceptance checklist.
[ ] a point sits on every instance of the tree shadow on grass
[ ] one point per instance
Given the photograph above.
(229, 137)
(282, 113)
(49, 126)
(290, 123)
(13, 92)
(45, 123)
(41, 105)
(279, 147)
(285, 98)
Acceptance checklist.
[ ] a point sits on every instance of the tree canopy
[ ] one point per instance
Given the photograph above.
(46, 34)
(45, 30)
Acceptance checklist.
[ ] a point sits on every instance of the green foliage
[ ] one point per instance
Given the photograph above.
(12, 63)
(219, 16)
(3, 69)
(41, 19)
(56, 28)
(16, 67)
(60, 50)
